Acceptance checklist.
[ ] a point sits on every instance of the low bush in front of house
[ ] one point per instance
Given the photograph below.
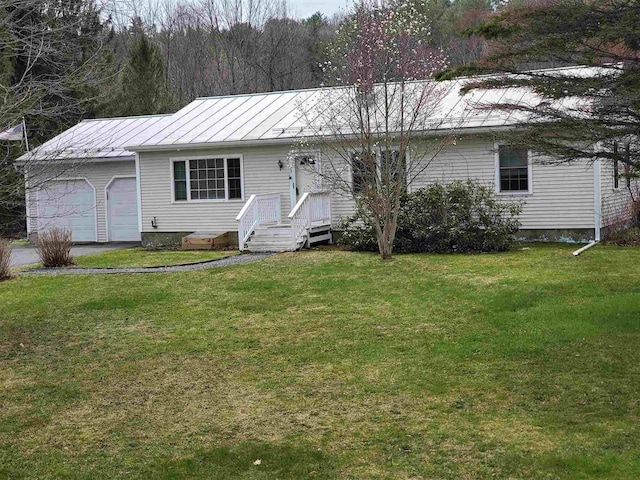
(54, 248)
(461, 216)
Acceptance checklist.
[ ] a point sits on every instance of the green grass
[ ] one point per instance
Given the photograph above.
(328, 364)
(20, 243)
(139, 257)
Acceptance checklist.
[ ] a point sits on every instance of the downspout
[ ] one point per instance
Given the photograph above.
(597, 199)
(597, 207)
(586, 247)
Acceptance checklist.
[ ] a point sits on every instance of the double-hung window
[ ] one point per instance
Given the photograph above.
(394, 166)
(216, 178)
(514, 169)
(385, 166)
(363, 171)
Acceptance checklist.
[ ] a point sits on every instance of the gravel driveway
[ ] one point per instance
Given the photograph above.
(26, 254)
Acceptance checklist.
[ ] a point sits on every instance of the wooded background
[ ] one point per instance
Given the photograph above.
(65, 60)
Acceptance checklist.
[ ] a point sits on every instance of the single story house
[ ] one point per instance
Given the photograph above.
(232, 164)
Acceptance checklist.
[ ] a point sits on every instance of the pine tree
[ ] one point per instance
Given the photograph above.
(604, 35)
(142, 88)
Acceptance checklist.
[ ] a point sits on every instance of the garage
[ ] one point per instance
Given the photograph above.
(122, 210)
(71, 205)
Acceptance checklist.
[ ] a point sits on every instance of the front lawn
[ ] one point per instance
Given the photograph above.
(139, 257)
(328, 364)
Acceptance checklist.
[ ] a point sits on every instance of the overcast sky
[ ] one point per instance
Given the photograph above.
(306, 8)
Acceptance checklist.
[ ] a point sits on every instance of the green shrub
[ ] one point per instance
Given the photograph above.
(462, 216)
(356, 233)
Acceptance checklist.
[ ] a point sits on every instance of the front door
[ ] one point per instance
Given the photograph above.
(306, 174)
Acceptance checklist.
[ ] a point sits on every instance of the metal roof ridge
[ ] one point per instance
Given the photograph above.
(130, 117)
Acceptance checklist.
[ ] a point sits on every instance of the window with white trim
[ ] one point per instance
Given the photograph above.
(217, 178)
(514, 172)
(388, 163)
(362, 172)
(394, 165)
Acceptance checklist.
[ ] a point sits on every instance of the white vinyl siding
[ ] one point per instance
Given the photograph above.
(99, 174)
(616, 202)
(562, 195)
(260, 174)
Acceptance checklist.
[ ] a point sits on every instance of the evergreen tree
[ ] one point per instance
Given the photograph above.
(142, 88)
(604, 35)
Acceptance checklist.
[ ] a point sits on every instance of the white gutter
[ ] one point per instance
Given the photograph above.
(73, 160)
(597, 207)
(288, 140)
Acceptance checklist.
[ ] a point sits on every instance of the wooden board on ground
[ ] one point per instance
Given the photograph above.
(206, 241)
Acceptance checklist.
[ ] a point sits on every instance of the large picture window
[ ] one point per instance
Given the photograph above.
(207, 179)
(513, 169)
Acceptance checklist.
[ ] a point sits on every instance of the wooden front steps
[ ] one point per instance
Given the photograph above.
(279, 238)
(272, 238)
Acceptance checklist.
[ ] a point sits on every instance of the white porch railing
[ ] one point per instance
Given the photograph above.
(258, 209)
(312, 209)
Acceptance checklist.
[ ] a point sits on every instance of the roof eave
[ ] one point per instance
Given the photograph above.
(197, 146)
(290, 140)
(35, 161)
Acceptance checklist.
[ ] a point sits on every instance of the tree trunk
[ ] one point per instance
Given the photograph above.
(386, 237)
(385, 248)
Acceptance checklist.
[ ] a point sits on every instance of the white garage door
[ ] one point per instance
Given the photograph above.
(122, 210)
(68, 204)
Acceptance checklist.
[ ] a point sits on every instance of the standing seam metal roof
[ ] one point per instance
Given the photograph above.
(273, 116)
(253, 118)
(97, 138)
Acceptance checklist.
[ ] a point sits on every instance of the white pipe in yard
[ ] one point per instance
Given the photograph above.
(586, 247)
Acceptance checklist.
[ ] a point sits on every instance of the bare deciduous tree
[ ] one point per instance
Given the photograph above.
(50, 70)
(370, 129)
